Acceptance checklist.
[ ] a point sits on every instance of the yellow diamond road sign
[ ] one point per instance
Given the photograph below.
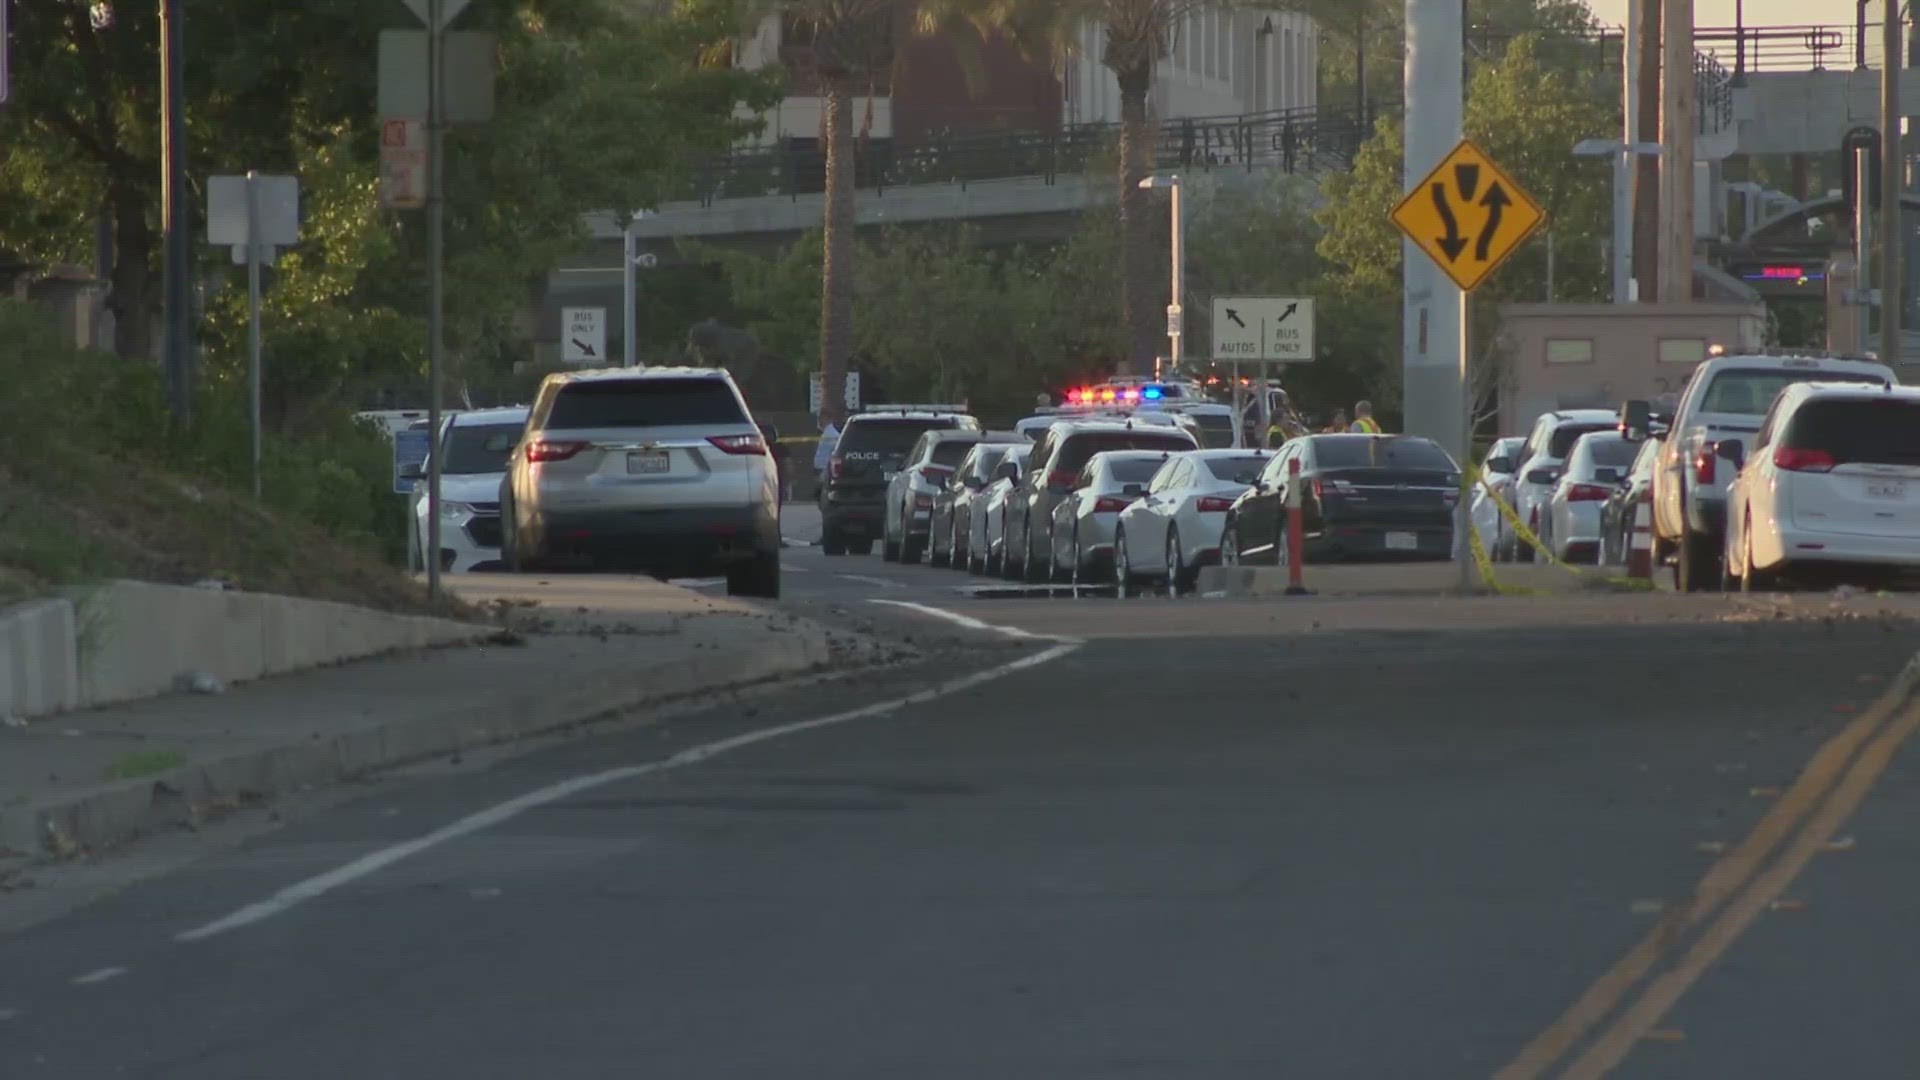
(1467, 215)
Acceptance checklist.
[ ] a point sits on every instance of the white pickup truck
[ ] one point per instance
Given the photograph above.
(1727, 398)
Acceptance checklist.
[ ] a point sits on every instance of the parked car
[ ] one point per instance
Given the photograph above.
(1618, 512)
(1083, 519)
(987, 525)
(921, 477)
(1055, 465)
(953, 509)
(1496, 471)
(1831, 487)
(660, 470)
(473, 450)
(1362, 495)
(1174, 529)
(1539, 465)
(872, 447)
(1724, 400)
(1570, 526)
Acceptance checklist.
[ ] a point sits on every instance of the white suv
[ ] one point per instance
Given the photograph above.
(1724, 400)
(474, 447)
(1833, 483)
(660, 470)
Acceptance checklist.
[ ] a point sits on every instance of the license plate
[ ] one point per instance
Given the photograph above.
(1887, 489)
(1397, 541)
(648, 462)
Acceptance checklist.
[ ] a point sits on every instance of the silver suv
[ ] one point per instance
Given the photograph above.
(660, 470)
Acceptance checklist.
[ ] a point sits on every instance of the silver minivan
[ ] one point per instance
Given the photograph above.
(659, 470)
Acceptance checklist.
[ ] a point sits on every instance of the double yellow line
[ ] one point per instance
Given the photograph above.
(1731, 895)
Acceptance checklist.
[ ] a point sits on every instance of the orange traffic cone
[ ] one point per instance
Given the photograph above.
(1640, 547)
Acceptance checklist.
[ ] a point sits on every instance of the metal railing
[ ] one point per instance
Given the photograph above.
(1834, 46)
(1307, 141)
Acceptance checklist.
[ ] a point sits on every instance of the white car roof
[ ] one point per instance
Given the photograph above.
(1792, 361)
(1832, 390)
(506, 415)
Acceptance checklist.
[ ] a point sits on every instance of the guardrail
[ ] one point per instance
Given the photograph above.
(1308, 141)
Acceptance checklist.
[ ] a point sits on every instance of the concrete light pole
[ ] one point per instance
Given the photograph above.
(1623, 155)
(1176, 312)
(1433, 390)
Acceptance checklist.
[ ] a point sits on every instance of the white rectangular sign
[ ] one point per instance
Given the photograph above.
(403, 164)
(279, 198)
(583, 336)
(1263, 329)
(852, 395)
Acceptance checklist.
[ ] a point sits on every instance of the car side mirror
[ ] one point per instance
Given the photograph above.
(1731, 451)
(972, 482)
(1636, 419)
(1502, 465)
(1543, 476)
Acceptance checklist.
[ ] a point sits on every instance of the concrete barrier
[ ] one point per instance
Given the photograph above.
(39, 658)
(132, 639)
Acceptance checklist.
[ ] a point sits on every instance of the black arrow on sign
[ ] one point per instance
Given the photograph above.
(1291, 308)
(585, 349)
(1495, 200)
(1235, 317)
(1467, 179)
(1452, 243)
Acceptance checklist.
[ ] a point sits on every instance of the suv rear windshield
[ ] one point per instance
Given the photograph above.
(644, 403)
(1078, 448)
(948, 452)
(1750, 391)
(1367, 452)
(1864, 432)
(1560, 443)
(479, 448)
(896, 436)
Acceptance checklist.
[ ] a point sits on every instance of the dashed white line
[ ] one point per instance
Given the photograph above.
(99, 975)
(373, 862)
(865, 580)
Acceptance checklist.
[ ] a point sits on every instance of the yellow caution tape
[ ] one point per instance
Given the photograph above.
(1526, 535)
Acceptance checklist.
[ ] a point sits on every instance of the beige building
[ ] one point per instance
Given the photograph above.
(1570, 356)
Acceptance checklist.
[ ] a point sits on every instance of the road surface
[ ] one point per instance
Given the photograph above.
(1159, 840)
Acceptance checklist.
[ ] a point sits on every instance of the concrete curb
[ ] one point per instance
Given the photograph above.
(116, 812)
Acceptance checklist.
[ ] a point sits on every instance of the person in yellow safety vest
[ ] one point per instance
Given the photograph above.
(1340, 423)
(1363, 421)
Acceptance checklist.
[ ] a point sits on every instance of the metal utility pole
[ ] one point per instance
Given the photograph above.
(176, 214)
(1677, 120)
(253, 317)
(436, 250)
(1644, 18)
(1627, 168)
(1434, 386)
(1893, 164)
(629, 286)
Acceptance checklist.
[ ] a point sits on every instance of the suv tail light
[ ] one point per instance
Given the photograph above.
(1109, 504)
(545, 450)
(755, 445)
(1587, 493)
(1802, 460)
(1061, 478)
(1213, 504)
(1704, 465)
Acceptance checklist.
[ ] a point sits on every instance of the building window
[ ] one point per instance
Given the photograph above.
(1682, 350)
(1569, 350)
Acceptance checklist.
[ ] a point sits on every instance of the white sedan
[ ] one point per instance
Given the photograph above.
(473, 449)
(1497, 471)
(1083, 520)
(1174, 528)
(987, 523)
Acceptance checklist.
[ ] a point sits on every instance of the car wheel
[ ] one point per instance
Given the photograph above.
(863, 546)
(1698, 566)
(1123, 579)
(832, 542)
(1230, 545)
(757, 577)
(1174, 572)
(1032, 570)
(910, 548)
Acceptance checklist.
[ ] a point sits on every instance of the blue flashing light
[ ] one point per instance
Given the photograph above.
(1151, 393)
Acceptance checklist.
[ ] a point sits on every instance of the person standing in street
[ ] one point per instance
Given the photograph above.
(1363, 421)
(1339, 425)
(822, 454)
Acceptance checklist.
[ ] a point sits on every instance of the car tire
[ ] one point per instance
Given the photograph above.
(1123, 580)
(911, 550)
(1697, 567)
(832, 542)
(1178, 584)
(1230, 544)
(758, 577)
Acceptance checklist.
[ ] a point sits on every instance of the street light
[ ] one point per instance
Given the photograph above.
(1175, 323)
(1622, 154)
(630, 261)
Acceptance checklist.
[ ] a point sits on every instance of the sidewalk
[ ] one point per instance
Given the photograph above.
(571, 649)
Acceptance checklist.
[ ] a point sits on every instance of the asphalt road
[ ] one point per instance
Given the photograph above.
(1156, 851)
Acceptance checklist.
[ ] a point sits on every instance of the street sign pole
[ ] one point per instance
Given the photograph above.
(628, 318)
(436, 245)
(253, 317)
(1462, 516)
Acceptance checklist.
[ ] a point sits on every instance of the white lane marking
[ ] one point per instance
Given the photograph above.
(99, 975)
(865, 580)
(375, 861)
(795, 570)
(968, 621)
(792, 543)
(698, 582)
